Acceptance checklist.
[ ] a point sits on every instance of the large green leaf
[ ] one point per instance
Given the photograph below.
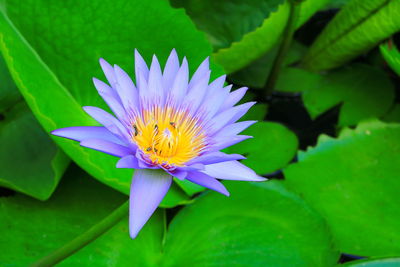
(256, 43)
(226, 21)
(393, 115)
(363, 91)
(357, 28)
(52, 52)
(32, 229)
(271, 149)
(335, 4)
(29, 160)
(258, 225)
(384, 262)
(353, 181)
(9, 94)
(392, 55)
(255, 75)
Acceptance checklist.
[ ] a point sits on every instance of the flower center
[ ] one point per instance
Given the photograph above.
(168, 137)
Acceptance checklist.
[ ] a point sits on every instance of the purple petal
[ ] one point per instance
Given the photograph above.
(178, 173)
(215, 157)
(215, 87)
(148, 188)
(180, 85)
(231, 170)
(81, 133)
(234, 129)
(213, 102)
(233, 98)
(170, 70)
(106, 119)
(140, 67)
(106, 147)
(192, 167)
(110, 97)
(126, 89)
(207, 181)
(144, 93)
(128, 162)
(224, 142)
(108, 72)
(200, 72)
(155, 86)
(228, 116)
(196, 95)
(142, 162)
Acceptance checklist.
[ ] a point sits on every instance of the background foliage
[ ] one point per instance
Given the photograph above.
(328, 135)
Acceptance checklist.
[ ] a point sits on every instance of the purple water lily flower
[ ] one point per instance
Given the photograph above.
(167, 126)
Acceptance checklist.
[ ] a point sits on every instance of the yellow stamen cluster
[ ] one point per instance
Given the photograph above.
(168, 137)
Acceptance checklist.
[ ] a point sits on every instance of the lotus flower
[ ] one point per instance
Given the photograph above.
(166, 126)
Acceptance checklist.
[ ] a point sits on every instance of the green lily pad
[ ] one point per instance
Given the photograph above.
(356, 29)
(272, 147)
(256, 43)
(363, 91)
(353, 181)
(258, 225)
(393, 115)
(227, 21)
(32, 229)
(30, 162)
(391, 54)
(385, 262)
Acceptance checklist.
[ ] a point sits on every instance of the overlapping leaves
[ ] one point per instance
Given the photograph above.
(353, 182)
(357, 28)
(362, 91)
(29, 161)
(257, 218)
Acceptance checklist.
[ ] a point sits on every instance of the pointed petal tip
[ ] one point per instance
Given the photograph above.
(95, 81)
(60, 132)
(252, 103)
(259, 179)
(184, 62)
(128, 162)
(137, 54)
(104, 65)
(87, 109)
(117, 68)
(121, 165)
(55, 132)
(133, 233)
(223, 191)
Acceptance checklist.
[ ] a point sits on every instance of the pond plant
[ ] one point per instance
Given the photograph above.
(228, 133)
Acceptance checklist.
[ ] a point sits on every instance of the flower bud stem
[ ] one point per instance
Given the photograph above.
(284, 47)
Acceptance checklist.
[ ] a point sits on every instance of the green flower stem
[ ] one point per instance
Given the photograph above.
(284, 47)
(85, 238)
